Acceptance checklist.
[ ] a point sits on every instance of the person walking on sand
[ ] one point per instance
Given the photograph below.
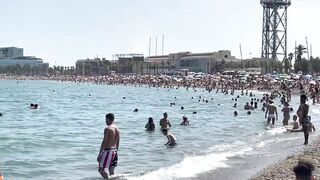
(164, 122)
(303, 117)
(108, 156)
(272, 113)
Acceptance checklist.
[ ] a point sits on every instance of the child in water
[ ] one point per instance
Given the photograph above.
(172, 141)
(150, 125)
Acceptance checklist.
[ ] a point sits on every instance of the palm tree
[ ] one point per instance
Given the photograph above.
(300, 50)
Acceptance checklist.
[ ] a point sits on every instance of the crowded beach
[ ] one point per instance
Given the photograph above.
(276, 87)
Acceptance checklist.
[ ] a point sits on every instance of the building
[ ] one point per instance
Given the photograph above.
(209, 62)
(94, 66)
(12, 56)
(11, 52)
(196, 62)
(122, 63)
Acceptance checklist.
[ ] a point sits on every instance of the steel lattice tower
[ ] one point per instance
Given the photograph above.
(274, 30)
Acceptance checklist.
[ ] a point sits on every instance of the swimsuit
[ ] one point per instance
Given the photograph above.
(109, 157)
(270, 116)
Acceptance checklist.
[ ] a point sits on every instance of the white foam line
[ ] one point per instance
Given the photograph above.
(190, 166)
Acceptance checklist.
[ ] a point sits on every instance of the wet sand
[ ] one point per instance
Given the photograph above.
(283, 169)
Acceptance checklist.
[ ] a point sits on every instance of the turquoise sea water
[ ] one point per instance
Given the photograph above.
(61, 139)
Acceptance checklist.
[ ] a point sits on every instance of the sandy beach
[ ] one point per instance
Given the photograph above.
(283, 169)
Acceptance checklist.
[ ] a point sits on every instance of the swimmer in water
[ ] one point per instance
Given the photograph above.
(164, 122)
(33, 106)
(235, 113)
(172, 141)
(185, 121)
(247, 106)
(136, 110)
(150, 126)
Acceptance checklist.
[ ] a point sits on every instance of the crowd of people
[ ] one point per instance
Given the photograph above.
(225, 84)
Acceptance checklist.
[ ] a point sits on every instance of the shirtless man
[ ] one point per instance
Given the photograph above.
(164, 122)
(108, 156)
(272, 113)
(303, 117)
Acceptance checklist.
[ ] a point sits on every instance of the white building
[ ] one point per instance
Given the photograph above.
(12, 56)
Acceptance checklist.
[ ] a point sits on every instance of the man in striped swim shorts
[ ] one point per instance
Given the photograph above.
(108, 156)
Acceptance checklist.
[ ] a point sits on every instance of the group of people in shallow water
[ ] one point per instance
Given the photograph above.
(108, 156)
(165, 125)
(301, 120)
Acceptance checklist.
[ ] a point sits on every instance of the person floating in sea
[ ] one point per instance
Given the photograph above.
(272, 113)
(34, 106)
(108, 156)
(150, 126)
(185, 121)
(247, 106)
(303, 117)
(304, 170)
(286, 114)
(164, 122)
(235, 113)
(172, 140)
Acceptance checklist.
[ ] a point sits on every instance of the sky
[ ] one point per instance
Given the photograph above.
(63, 31)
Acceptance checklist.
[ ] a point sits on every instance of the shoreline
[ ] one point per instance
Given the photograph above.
(283, 169)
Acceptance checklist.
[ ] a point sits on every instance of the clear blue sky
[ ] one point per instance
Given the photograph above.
(62, 31)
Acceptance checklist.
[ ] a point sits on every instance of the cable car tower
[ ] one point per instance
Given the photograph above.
(274, 30)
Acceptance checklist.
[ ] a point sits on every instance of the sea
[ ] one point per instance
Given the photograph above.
(61, 139)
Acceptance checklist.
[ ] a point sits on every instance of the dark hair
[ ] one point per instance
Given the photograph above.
(110, 116)
(303, 96)
(303, 169)
(150, 120)
(165, 114)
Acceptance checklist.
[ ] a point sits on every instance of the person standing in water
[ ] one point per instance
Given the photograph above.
(286, 114)
(303, 117)
(164, 122)
(272, 113)
(108, 156)
(150, 125)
